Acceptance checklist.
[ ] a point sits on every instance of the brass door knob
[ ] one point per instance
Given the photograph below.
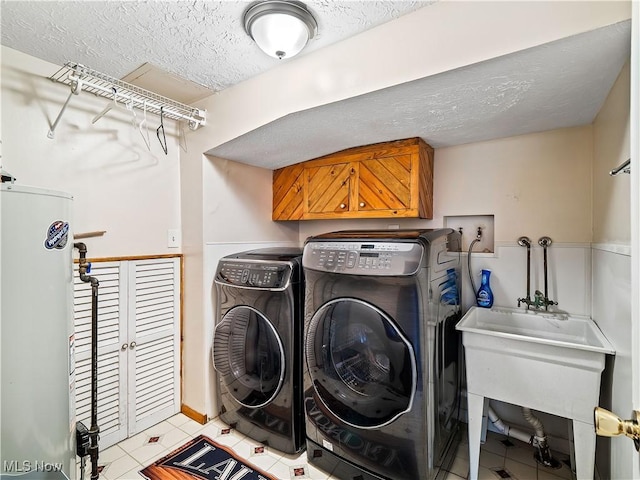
(610, 425)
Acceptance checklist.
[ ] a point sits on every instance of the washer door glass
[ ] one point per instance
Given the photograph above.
(249, 356)
(362, 367)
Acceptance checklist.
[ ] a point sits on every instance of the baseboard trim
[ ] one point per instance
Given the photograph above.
(193, 414)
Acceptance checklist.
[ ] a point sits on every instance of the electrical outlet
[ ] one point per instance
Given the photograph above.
(173, 238)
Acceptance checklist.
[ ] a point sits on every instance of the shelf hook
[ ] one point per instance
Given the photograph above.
(76, 88)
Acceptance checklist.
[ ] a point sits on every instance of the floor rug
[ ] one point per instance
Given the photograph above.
(202, 458)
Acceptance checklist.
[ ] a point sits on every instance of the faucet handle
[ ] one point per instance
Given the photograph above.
(526, 301)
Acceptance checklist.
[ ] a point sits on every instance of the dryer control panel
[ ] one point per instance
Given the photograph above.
(363, 258)
(253, 274)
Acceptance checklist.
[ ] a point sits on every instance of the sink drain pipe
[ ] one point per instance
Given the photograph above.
(543, 454)
(507, 430)
(538, 439)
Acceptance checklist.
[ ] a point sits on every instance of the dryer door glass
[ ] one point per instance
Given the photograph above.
(249, 356)
(362, 366)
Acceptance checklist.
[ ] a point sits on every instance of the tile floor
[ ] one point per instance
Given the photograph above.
(124, 460)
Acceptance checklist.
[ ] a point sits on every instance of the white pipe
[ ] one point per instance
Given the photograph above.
(506, 429)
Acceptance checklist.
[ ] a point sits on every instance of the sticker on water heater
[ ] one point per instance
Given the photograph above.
(57, 235)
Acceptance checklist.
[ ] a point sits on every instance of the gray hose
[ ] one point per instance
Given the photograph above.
(473, 284)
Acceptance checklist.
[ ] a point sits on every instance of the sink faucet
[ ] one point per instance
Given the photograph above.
(540, 300)
(526, 301)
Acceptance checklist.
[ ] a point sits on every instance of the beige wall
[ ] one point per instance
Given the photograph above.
(237, 204)
(535, 185)
(611, 147)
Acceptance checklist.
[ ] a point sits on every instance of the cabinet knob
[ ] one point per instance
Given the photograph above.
(132, 345)
(362, 204)
(124, 347)
(343, 206)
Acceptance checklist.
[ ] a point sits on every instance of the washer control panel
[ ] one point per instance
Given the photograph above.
(253, 274)
(363, 258)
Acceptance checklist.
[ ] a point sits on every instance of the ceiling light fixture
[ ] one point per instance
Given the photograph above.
(280, 28)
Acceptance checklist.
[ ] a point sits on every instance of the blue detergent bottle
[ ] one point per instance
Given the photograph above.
(484, 298)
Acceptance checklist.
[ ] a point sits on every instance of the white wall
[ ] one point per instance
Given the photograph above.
(118, 185)
(612, 266)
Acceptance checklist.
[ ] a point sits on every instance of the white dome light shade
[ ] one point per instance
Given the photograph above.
(281, 29)
(280, 35)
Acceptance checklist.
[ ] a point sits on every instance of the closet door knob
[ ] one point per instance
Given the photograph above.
(124, 347)
(132, 345)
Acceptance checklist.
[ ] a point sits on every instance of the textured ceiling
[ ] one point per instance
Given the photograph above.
(202, 41)
(558, 84)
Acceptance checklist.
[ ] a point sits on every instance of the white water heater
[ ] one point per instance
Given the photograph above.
(37, 334)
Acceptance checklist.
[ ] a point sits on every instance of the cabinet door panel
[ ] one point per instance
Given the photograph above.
(328, 188)
(288, 193)
(138, 345)
(112, 361)
(385, 183)
(382, 180)
(154, 313)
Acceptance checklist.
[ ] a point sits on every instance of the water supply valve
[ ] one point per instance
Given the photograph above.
(82, 440)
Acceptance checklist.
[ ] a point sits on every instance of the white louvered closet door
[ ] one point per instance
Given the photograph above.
(138, 345)
(112, 360)
(154, 348)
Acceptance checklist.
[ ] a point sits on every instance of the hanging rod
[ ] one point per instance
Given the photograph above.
(81, 78)
(624, 167)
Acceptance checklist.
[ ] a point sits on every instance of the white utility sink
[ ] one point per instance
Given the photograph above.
(537, 327)
(545, 361)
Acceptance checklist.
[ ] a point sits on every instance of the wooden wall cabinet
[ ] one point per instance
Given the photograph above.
(383, 180)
